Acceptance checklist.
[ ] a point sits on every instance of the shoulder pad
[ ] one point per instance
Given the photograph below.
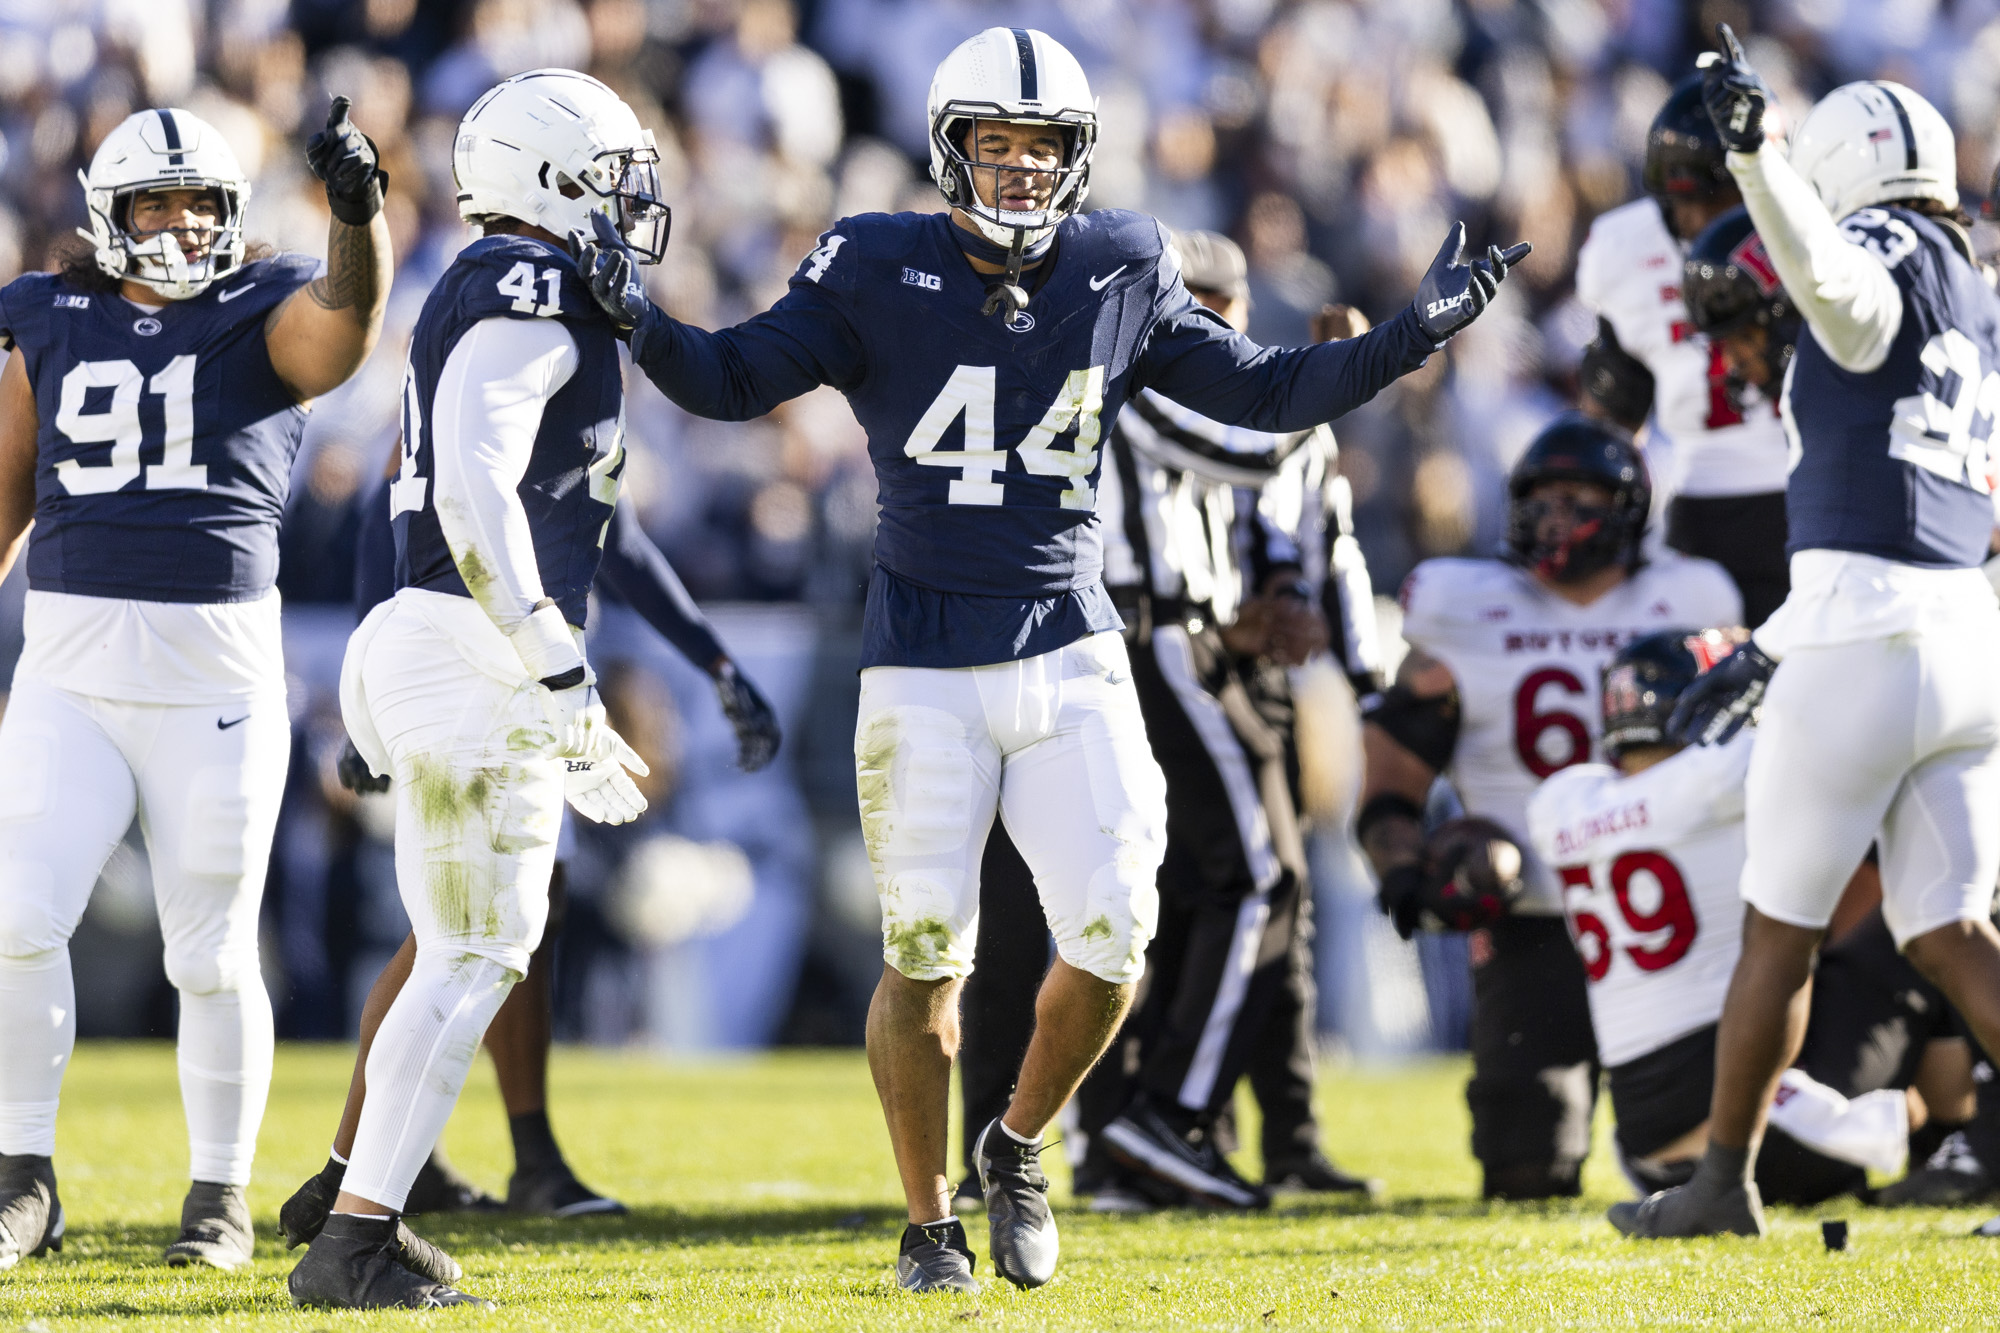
(1133, 237)
(1887, 233)
(1445, 592)
(520, 278)
(25, 303)
(1707, 593)
(838, 258)
(1559, 798)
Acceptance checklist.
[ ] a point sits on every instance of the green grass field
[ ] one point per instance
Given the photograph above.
(763, 1198)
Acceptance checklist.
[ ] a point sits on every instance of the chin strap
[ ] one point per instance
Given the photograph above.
(1007, 298)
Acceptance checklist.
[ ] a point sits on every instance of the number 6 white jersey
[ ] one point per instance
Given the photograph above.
(1649, 867)
(1528, 663)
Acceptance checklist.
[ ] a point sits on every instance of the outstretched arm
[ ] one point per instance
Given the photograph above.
(322, 333)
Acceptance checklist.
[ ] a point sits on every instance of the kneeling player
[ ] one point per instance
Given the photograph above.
(1498, 692)
(1650, 854)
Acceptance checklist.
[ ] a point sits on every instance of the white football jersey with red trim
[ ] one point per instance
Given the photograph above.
(1649, 867)
(1629, 272)
(1528, 663)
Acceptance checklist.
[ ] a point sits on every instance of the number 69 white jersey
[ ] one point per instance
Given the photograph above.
(1528, 665)
(1649, 867)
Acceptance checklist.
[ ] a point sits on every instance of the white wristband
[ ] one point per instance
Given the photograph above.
(546, 646)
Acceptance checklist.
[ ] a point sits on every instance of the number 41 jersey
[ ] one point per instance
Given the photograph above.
(1649, 866)
(1528, 665)
(165, 451)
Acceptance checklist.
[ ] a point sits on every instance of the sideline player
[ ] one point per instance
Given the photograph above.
(985, 352)
(147, 428)
(1735, 299)
(519, 1038)
(1498, 692)
(1649, 854)
(470, 686)
(1880, 713)
(1721, 445)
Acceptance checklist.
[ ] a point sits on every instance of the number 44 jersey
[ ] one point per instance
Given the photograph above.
(1649, 867)
(1528, 664)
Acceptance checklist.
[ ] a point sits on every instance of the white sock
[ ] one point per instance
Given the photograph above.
(417, 1066)
(37, 1034)
(1017, 1138)
(225, 1066)
(334, 1153)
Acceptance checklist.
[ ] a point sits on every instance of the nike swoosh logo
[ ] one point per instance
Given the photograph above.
(223, 298)
(220, 725)
(1097, 284)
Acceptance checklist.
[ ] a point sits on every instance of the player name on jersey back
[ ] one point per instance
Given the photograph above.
(1528, 666)
(1724, 439)
(1649, 868)
(166, 439)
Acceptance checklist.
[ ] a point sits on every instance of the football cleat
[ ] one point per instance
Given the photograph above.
(554, 1191)
(1188, 1158)
(439, 1188)
(1123, 1191)
(31, 1215)
(353, 1265)
(1022, 1241)
(304, 1216)
(1687, 1210)
(215, 1228)
(1952, 1176)
(935, 1258)
(1316, 1174)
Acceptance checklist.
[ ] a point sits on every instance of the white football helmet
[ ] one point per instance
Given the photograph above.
(1020, 75)
(551, 147)
(1867, 143)
(164, 149)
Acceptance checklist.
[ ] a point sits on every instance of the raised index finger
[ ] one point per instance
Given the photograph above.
(1731, 45)
(336, 115)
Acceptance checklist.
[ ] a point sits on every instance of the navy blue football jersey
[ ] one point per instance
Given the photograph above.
(987, 436)
(1897, 463)
(571, 485)
(165, 448)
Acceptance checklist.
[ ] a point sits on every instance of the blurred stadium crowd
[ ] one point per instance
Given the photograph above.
(1334, 138)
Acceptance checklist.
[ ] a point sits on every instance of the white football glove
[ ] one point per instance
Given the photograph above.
(598, 787)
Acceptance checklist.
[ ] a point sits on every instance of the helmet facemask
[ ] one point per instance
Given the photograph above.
(1019, 230)
(156, 259)
(637, 210)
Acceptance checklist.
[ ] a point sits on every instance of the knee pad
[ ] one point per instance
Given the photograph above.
(28, 925)
(924, 924)
(915, 778)
(1122, 910)
(194, 970)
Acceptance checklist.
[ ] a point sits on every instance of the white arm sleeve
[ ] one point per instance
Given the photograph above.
(484, 419)
(1845, 293)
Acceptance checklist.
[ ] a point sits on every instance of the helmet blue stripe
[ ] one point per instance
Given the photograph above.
(1903, 119)
(1024, 45)
(173, 132)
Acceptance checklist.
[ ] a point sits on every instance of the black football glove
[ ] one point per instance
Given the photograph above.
(1722, 698)
(354, 773)
(757, 734)
(611, 272)
(1734, 95)
(1401, 897)
(1454, 292)
(347, 161)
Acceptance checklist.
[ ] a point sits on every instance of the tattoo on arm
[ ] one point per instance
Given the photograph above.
(353, 280)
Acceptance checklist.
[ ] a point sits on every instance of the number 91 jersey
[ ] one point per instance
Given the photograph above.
(166, 440)
(1528, 665)
(1650, 867)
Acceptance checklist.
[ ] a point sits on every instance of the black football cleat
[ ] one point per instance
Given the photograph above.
(554, 1191)
(1185, 1157)
(304, 1216)
(215, 1228)
(1953, 1176)
(439, 1188)
(1122, 1190)
(353, 1265)
(1316, 1174)
(935, 1258)
(1022, 1239)
(1689, 1210)
(31, 1215)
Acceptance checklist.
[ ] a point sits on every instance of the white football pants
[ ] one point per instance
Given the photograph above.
(1056, 742)
(206, 781)
(433, 693)
(1893, 739)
